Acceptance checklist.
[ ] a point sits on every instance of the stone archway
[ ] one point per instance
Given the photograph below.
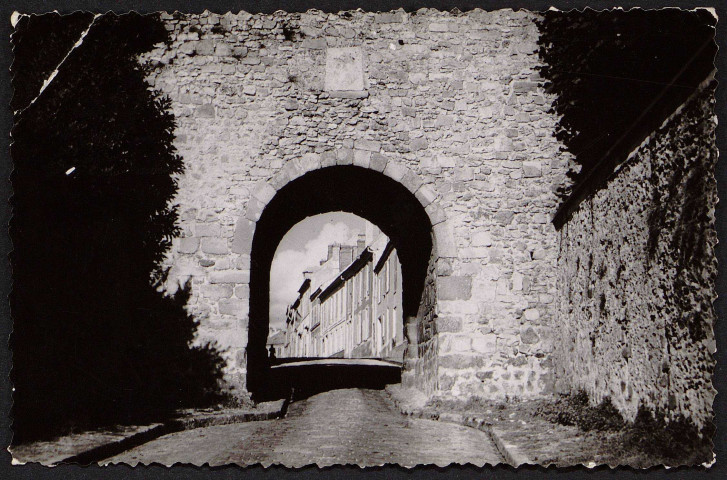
(385, 193)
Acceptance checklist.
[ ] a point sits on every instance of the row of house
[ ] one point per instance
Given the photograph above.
(350, 306)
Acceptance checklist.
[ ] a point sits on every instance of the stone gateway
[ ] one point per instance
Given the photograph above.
(434, 126)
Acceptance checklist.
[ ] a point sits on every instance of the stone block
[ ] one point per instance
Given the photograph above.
(486, 375)
(540, 218)
(328, 159)
(503, 144)
(291, 105)
(438, 27)
(456, 343)
(309, 162)
(264, 192)
(217, 292)
(315, 43)
(411, 181)
(215, 246)
(230, 276)
(524, 86)
(395, 171)
(242, 291)
(457, 307)
(368, 145)
(460, 362)
(344, 156)
(436, 213)
(539, 254)
(517, 282)
(532, 169)
(504, 217)
(444, 121)
(361, 158)
(417, 78)
(188, 245)
(344, 69)
(207, 230)
(418, 144)
(484, 290)
(233, 307)
(378, 162)
(454, 288)
(482, 239)
(531, 314)
(444, 267)
(445, 244)
(254, 209)
(464, 174)
(223, 50)
(250, 60)
(426, 195)
(244, 232)
(392, 17)
(243, 262)
(449, 324)
(485, 343)
(529, 336)
(205, 111)
(204, 47)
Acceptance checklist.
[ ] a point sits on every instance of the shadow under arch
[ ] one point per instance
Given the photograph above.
(364, 192)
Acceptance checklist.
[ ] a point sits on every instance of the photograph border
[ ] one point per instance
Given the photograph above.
(189, 472)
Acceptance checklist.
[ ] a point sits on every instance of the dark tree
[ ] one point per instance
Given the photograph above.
(95, 341)
(618, 74)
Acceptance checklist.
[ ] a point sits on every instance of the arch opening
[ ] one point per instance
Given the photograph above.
(367, 193)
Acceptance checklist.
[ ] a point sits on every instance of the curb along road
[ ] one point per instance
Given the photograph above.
(512, 454)
(97, 454)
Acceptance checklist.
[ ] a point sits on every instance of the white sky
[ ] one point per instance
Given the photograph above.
(302, 248)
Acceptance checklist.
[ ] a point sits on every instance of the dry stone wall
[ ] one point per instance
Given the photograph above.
(637, 275)
(450, 105)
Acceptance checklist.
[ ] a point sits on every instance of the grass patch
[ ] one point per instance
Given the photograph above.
(655, 440)
(576, 410)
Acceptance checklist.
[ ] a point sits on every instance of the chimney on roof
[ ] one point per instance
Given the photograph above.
(346, 257)
(360, 244)
(334, 252)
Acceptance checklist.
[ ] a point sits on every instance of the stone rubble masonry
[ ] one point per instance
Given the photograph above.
(641, 332)
(449, 105)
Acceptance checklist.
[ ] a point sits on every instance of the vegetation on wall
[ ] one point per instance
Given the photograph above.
(617, 75)
(95, 339)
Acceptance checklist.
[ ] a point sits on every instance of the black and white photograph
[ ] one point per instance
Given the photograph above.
(407, 237)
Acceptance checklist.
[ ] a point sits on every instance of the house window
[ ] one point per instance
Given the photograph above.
(394, 273)
(385, 276)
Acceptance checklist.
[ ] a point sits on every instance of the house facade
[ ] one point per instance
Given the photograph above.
(354, 312)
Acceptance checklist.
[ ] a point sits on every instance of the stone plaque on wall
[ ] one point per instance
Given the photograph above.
(344, 69)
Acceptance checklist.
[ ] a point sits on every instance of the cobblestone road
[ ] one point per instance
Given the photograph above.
(352, 426)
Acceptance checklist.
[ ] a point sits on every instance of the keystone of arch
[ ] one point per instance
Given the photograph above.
(265, 190)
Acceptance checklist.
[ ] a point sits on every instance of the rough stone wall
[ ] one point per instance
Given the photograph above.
(454, 100)
(637, 273)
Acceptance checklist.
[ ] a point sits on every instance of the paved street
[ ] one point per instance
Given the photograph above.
(352, 426)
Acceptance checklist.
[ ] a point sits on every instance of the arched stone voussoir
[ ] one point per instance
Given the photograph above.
(263, 192)
(294, 168)
(244, 233)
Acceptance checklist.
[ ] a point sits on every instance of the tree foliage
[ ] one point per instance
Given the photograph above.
(618, 74)
(95, 340)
